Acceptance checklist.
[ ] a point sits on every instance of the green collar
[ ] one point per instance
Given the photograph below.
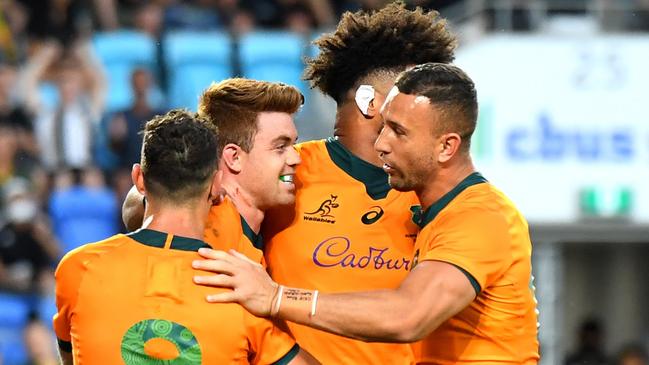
(373, 177)
(422, 218)
(153, 238)
(256, 238)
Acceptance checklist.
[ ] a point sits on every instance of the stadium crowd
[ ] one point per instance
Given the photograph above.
(62, 148)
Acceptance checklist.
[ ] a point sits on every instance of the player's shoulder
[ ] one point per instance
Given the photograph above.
(313, 146)
(317, 162)
(484, 197)
(82, 255)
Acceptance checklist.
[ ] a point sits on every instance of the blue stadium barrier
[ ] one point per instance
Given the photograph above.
(12, 348)
(13, 317)
(273, 56)
(193, 61)
(121, 52)
(13, 310)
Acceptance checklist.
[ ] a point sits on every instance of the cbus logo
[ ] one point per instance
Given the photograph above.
(373, 215)
(323, 213)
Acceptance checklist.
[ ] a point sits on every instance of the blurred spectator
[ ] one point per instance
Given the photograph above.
(590, 348)
(124, 131)
(27, 247)
(277, 14)
(54, 19)
(106, 14)
(192, 15)
(240, 19)
(149, 18)
(633, 355)
(65, 130)
(13, 114)
(15, 164)
(82, 208)
(39, 342)
(125, 126)
(13, 22)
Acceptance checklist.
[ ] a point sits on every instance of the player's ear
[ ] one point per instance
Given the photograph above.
(138, 178)
(364, 98)
(374, 108)
(449, 146)
(231, 158)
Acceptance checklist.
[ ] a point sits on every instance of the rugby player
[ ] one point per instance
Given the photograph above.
(348, 231)
(129, 299)
(257, 159)
(468, 294)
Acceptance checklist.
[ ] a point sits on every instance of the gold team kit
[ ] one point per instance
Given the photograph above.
(131, 300)
(226, 228)
(347, 232)
(477, 229)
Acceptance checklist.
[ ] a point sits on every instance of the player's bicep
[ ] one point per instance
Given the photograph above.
(437, 291)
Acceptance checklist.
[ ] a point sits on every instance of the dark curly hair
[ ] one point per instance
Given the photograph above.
(386, 40)
(178, 155)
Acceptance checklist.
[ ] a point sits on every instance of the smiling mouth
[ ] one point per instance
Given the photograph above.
(286, 178)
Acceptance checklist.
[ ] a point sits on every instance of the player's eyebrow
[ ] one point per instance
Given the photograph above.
(283, 139)
(393, 124)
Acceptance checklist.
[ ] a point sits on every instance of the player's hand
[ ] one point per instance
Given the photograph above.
(251, 286)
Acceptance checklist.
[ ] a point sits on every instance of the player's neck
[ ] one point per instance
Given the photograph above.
(358, 136)
(244, 203)
(177, 220)
(444, 181)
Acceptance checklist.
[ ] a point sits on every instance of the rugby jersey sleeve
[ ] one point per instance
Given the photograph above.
(68, 277)
(475, 240)
(269, 344)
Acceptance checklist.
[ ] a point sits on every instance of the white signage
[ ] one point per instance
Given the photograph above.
(564, 123)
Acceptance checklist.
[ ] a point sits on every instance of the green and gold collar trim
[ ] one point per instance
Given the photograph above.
(373, 177)
(157, 239)
(422, 218)
(256, 238)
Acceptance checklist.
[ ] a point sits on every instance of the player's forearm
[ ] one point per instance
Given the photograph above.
(66, 357)
(381, 315)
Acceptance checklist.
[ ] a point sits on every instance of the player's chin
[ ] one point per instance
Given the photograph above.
(398, 184)
(285, 198)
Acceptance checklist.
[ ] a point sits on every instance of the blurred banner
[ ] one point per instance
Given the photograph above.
(564, 126)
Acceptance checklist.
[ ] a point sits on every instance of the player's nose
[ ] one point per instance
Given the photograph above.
(293, 157)
(380, 145)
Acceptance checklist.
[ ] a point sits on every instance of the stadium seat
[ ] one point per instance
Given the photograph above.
(14, 310)
(193, 61)
(273, 56)
(12, 348)
(121, 52)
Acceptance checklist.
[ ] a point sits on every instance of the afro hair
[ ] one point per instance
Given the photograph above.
(389, 39)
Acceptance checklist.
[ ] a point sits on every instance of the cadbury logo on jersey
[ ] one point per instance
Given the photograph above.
(324, 212)
(375, 213)
(338, 252)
